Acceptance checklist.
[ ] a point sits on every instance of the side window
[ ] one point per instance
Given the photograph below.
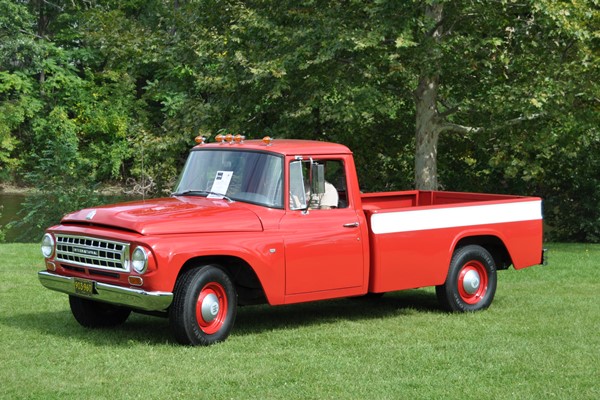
(305, 192)
(335, 180)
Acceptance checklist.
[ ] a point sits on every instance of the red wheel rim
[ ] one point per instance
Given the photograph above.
(472, 282)
(211, 308)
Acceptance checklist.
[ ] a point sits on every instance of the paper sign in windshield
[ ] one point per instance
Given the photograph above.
(220, 184)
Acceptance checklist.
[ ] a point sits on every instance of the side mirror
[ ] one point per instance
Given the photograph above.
(317, 172)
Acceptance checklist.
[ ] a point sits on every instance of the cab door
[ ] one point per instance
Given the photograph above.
(323, 247)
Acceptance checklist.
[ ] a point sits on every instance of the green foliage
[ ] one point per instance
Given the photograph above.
(531, 90)
(315, 71)
(65, 121)
(17, 104)
(44, 68)
(61, 177)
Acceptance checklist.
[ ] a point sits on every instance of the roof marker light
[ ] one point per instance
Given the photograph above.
(200, 139)
(229, 138)
(239, 139)
(220, 138)
(267, 140)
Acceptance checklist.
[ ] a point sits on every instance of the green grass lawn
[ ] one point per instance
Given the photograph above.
(540, 339)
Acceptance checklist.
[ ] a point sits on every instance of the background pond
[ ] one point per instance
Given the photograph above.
(10, 206)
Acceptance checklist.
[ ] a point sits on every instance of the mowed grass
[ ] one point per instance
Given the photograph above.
(540, 339)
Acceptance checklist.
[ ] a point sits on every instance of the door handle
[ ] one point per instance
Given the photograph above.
(351, 225)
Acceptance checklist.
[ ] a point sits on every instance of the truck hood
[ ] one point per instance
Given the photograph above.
(171, 216)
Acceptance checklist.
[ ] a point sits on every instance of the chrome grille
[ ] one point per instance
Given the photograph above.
(93, 252)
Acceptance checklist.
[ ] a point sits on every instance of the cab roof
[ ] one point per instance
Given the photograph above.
(288, 147)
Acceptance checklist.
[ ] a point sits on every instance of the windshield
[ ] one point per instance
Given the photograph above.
(247, 176)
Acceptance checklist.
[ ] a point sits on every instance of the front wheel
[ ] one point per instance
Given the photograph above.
(471, 281)
(204, 306)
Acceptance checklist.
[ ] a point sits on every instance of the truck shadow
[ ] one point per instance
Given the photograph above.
(256, 319)
(61, 325)
(250, 320)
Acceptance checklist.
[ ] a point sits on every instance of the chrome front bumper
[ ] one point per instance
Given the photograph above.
(128, 297)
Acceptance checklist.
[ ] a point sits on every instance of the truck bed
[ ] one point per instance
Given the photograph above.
(417, 198)
(405, 225)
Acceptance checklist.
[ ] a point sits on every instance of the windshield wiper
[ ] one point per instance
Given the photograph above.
(205, 193)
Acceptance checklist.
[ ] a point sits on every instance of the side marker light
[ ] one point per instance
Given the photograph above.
(135, 280)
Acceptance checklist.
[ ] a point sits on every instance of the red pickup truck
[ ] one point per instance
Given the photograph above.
(281, 222)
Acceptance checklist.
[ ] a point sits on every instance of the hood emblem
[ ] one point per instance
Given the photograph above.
(90, 215)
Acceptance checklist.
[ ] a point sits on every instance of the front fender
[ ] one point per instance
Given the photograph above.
(263, 252)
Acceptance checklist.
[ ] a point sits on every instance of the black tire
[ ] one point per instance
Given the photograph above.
(471, 281)
(94, 314)
(204, 306)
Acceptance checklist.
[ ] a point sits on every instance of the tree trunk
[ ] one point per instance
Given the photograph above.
(427, 120)
(427, 134)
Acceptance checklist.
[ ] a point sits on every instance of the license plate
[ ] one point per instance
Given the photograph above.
(84, 287)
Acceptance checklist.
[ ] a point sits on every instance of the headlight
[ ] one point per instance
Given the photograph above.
(139, 260)
(47, 245)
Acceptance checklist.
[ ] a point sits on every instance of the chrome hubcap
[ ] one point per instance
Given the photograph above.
(471, 282)
(210, 307)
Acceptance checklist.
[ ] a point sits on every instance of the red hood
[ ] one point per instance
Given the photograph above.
(172, 215)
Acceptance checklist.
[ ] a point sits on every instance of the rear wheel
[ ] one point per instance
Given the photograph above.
(94, 314)
(471, 281)
(204, 306)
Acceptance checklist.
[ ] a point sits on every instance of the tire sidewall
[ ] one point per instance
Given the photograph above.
(191, 289)
(460, 259)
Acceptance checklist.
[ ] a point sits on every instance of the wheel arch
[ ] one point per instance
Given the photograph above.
(247, 284)
(493, 244)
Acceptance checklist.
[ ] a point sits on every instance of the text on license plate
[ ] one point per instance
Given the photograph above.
(84, 287)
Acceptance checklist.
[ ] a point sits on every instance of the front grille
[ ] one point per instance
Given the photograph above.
(93, 252)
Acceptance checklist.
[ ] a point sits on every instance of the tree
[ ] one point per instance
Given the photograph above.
(461, 95)
(347, 69)
(490, 80)
(494, 67)
(65, 121)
